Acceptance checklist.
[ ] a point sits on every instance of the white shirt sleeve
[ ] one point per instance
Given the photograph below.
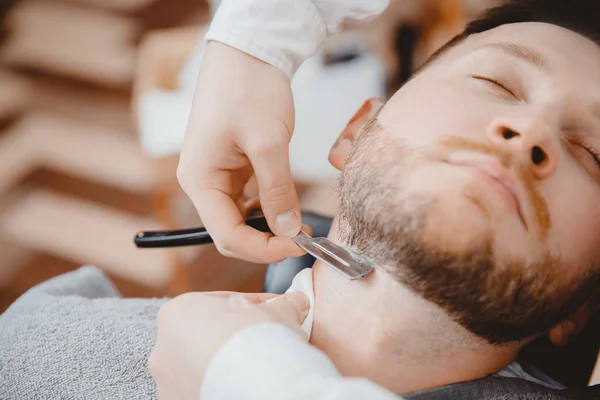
(284, 33)
(269, 361)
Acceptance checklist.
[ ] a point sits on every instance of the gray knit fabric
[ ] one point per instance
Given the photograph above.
(73, 337)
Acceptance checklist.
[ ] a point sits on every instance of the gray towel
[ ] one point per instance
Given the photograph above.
(73, 337)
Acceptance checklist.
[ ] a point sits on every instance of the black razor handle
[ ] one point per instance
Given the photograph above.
(188, 237)
(198, 236)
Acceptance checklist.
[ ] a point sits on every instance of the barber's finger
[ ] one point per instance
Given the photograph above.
(278, 196)
(293, 307)
(234, 238)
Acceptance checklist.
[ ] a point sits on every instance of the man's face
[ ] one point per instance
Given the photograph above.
(489, 151)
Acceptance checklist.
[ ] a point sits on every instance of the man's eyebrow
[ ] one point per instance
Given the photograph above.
(521, 52)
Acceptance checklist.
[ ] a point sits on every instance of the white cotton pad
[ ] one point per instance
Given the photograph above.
(303, 283)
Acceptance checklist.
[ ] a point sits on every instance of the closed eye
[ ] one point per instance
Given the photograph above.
(496, 83)
(593, 153)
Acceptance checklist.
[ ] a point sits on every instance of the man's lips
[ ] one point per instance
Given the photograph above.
(497, 178)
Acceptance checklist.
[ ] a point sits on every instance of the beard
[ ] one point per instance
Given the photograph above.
(499, 298)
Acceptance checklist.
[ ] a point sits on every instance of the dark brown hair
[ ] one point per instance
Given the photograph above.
(580, 16)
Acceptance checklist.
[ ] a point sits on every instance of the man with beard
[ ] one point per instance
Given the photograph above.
(474, 190)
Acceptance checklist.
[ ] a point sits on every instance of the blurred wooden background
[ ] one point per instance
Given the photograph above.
(75, 186)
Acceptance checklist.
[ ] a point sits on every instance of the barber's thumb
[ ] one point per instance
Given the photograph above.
(287, 223)
(292, 306)
(278, 197)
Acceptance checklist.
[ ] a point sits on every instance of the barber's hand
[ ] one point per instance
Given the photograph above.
(193, 326)
(241, 124)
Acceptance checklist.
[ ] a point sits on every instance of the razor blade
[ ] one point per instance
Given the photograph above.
(341, 260)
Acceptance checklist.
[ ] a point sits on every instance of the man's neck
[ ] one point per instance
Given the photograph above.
(378, 329)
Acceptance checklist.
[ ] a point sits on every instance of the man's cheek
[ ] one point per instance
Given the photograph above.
(574, 247)
(427, 112)
(573, 206)
(453, 219)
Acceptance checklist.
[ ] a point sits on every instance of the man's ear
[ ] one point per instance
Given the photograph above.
(564, 332)
(341, 148)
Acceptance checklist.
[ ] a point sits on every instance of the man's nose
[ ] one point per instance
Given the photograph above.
(530, 140)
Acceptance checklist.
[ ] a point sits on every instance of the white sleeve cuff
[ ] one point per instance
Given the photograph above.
(271, 362)
(336, 12)
(264, 361)
(282, 33)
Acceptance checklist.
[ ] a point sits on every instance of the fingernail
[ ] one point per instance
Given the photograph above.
(287, 224)
(298, 300)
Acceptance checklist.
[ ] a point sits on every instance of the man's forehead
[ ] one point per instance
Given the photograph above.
(571, 60)
(564, 50)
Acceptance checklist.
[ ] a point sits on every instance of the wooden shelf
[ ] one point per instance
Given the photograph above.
(62, 144)
(15, 94)
(71, 40)
(128, 6)
(12, 260)
(85, 233)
